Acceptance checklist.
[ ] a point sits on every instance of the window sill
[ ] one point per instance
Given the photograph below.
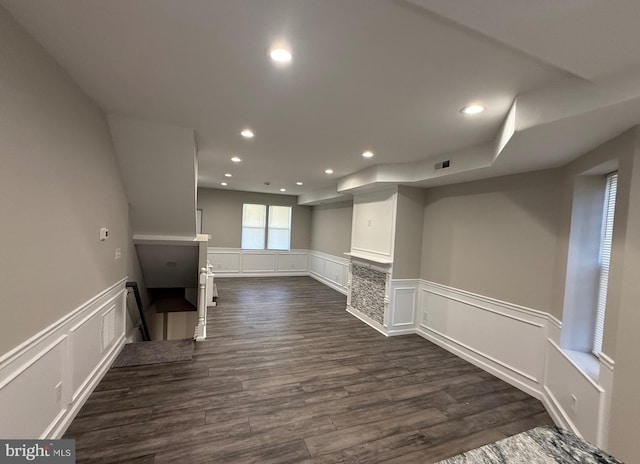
(587, 363)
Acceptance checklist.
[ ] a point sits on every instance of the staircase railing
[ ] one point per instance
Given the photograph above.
(201, 328)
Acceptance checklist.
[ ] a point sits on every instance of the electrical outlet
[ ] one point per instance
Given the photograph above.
(58, 389)
(425, 316)
(574, 404)
(118, 253)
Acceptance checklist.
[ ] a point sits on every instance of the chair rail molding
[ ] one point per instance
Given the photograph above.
(45, 380)
(521, 346)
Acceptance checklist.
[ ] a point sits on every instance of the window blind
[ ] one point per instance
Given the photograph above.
(266, 225)
(606, 239)
(254, 219)
(279, 235)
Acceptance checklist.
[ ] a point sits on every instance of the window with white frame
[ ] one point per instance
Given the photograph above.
(606, 240)
(266, 224)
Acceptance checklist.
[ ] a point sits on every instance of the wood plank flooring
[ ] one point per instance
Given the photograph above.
(288, 376)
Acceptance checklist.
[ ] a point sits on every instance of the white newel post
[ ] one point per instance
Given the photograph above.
(201, 328)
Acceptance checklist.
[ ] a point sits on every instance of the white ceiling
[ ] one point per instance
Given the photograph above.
(384, 75)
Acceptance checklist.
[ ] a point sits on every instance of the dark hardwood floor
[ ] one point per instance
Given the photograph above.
(289, 376)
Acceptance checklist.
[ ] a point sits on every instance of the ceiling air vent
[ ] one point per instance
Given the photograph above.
(442, 165)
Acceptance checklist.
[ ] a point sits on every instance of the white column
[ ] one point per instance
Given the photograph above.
(201, 328)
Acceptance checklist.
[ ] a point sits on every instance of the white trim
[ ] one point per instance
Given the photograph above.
(484, 308)
(325, 275)
(555, 322)
(576, 366)
(367, 320)
(264, 274)
(240, 268)
(328, 283)
(501, 370)
(523, 350)
(370, 255)
(386, 256)
(62, 423)
(606, 361)
(68, 356)
(19, 350)
(605, 379)
(169, 240)
(557, 413)
(495, 301)
(398, 309)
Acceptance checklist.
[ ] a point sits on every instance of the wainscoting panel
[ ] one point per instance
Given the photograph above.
(521, 346)
(292, 262)
(402, 306)
(573, 394)
(258, 262)
(225, 261)
(488, 332)
(329, 269)
(28, 398)
(235, 262)
(45, 380)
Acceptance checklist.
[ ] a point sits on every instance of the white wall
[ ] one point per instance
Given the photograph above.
(520, 345)
(45, 380)
(331, 228)
(158, 165)
(59, 184)
(235, 262)
(373, 228)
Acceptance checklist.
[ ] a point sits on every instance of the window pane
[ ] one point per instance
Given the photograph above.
(253, 226)
(252, 238)
(279, 239)
(280, 217)
(279, 228)
(253, 215)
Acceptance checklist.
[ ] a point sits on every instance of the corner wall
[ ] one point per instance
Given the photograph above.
(494, 268)
(331, 228)
(495, 237)
(63, 317)
(60, 184)
(222, 216)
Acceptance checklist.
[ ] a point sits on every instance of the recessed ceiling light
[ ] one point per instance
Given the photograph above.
(472, 109)
(299, 183)
(235, 159)
(280, 54)
(367, 154)
(228, 175)
(283, 190)
(328, 171)
(224, 184)
(247, 133)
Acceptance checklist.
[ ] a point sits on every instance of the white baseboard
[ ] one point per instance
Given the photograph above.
(516, 344)
(557, 413)
(491, 365)
(328, 283)
(262, 274)
(234, 262)
(367, 320)
(62, 424)
(45, 381)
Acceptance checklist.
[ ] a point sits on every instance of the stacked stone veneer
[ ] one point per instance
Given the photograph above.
(367, 291)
